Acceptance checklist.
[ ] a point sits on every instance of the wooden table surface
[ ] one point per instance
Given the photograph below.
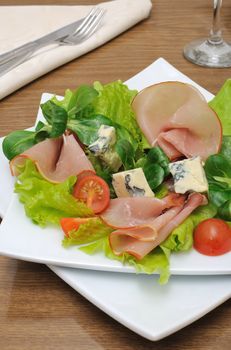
(37, 309)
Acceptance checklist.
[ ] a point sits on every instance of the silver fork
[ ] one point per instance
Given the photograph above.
(84, 32)
(85, 28)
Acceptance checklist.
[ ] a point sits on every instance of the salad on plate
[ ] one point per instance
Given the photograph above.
(135, 175)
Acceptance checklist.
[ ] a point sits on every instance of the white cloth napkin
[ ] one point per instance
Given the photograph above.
(21, 24)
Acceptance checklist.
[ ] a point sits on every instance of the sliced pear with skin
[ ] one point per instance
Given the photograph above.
(165, 107)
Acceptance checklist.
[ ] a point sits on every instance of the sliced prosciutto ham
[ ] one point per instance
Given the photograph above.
(140, 240)
(56, 159)
(126, 212)
(176, 117)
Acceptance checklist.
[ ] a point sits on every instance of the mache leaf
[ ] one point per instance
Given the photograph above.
(154, 175)
(17, 142)
(56, 116)
(126, 153)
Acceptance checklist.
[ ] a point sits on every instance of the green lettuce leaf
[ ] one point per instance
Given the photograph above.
(221, 104)
(91, 231)
(226, 147)
(156, 261)
(114, 101)
(181, 239)
(45, 202)
(65, 102)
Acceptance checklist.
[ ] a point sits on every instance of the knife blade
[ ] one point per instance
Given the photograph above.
(46, 39)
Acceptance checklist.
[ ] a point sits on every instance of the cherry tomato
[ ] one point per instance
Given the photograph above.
(212, 237)
(94, 191)
(85, 173)
(70, 224)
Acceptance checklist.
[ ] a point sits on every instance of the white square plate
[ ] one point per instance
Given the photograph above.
(32, 243)
(151, 310)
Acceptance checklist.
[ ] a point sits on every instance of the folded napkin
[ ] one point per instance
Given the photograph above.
(21, 24)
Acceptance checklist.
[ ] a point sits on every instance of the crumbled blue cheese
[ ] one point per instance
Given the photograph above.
(111, 159)
(189, 175)
(106, 139)
(131, 183)
(103, 147)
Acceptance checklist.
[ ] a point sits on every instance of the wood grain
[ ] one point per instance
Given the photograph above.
(37, 309)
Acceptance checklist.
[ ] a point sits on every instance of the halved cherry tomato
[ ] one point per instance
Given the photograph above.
(85, 173)
(212, 237)
(70, 224)
(94, 191)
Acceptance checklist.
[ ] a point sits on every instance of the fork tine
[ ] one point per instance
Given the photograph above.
(88, 23)
(88, 18)
(91, 27)
(95, 24)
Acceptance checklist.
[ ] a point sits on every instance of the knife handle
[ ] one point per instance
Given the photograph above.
(19, 51)
(16, 57)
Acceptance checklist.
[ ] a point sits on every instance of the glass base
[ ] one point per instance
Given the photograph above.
(208, 54)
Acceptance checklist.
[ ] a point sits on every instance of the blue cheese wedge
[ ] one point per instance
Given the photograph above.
(131, 183)
(106, 139)
(189, 175)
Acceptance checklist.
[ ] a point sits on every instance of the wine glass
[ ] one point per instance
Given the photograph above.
(213, 51)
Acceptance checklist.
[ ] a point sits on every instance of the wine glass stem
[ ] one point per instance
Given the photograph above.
(215, 33)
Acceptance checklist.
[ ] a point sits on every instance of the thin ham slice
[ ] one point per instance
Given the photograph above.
(125, 212)
(194, 200)
(180, 142)
(56, 159)
(176, 117)
(167, 146)
(139, 241)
